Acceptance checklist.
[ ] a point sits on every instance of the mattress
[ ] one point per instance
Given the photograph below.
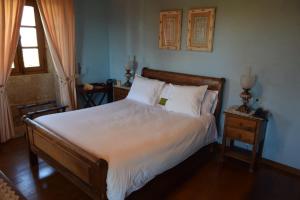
(138, 141)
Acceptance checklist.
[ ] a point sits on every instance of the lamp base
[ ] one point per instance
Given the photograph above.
(128, 77)
(246, 96)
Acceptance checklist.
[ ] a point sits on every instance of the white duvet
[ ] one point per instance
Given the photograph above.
(138, 141)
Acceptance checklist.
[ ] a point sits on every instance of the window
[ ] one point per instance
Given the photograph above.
(31, 54)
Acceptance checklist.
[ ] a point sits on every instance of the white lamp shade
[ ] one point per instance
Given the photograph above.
(247, 81)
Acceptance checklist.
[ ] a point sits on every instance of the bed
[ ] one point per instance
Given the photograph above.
(130, 151)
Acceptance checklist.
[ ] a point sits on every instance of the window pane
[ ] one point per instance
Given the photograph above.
(31, 58)
(13, 65)
(28, 37)
(28, 16)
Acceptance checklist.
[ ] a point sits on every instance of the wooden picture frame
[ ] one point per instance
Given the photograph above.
(170, 29)
(200, 29)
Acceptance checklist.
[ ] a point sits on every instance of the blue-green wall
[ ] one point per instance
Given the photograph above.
(92, 39)
(262, 33)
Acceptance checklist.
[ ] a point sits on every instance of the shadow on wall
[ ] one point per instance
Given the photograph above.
(278, 135)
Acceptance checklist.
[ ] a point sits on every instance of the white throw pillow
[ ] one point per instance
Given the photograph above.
(145, 90)
(210, 102)
(186, 99)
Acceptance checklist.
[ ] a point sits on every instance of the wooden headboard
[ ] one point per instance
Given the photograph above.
(188, 79)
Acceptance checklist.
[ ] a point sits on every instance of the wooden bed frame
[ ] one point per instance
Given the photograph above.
(82, 168)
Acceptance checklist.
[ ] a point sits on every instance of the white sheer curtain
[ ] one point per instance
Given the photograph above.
(10, 20)
(59, 25)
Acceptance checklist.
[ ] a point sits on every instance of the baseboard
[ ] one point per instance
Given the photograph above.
(271, 163)
(279, 166)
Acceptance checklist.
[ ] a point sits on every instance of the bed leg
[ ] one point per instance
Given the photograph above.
(33, 159)
(99, 180)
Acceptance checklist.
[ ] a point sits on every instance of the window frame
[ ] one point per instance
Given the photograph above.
(41, 42)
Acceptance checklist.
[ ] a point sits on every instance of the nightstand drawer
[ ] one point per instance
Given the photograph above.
(240, 134)
(240, 123)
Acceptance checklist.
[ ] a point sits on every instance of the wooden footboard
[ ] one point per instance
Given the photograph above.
(80, 167)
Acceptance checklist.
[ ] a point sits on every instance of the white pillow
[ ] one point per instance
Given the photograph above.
(165, 93)
(186, 99)
(145, 90)
(210, 102)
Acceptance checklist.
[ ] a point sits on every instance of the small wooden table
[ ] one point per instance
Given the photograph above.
(245, 128)
(89, 96)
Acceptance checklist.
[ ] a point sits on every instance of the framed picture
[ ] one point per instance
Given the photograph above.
(200, 29)
(170, 29)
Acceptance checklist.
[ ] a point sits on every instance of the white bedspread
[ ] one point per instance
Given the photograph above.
(138, 141)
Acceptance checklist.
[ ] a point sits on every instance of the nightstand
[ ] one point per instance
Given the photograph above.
(245, 128)
(120, 92)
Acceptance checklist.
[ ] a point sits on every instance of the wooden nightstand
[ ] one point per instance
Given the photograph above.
(247, 129)
(120, 92)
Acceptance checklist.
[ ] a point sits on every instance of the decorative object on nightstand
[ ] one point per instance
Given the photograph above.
(120, 92)
(247, 82)
(128, 76)
(247, 128)
(130, 68)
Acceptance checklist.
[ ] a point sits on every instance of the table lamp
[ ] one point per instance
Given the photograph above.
(128, 76)
(247, 82)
